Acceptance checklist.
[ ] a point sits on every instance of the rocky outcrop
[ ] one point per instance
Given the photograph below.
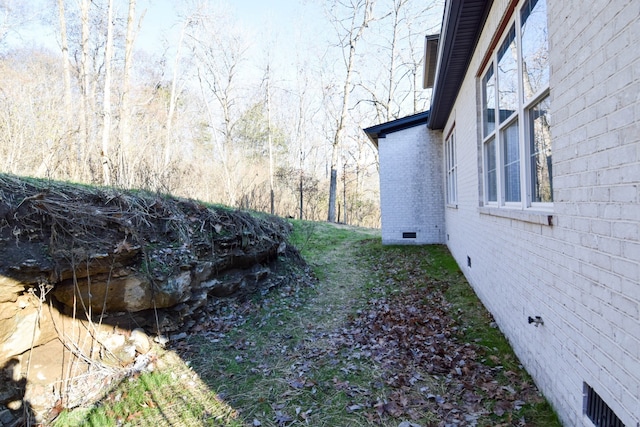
(91, 271)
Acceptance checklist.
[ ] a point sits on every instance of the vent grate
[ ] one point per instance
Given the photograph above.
(409, 235)
(598, 411)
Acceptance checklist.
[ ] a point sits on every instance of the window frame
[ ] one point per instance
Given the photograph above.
(522, 116)
(451, 169)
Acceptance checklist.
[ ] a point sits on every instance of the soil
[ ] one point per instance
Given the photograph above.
(109, 261)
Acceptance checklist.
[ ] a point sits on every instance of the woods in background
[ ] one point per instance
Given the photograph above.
(213, 112)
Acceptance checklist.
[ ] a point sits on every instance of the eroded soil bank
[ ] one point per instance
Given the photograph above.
(89, 276)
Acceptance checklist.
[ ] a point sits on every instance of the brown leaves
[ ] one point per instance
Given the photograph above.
(408, 330)
(399, 360)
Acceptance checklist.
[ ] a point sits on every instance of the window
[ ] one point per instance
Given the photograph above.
(511, 162)
(451, 167)
(540, 149)
(516, 146)
(490, 165)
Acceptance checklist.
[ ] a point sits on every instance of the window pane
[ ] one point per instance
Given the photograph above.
(491, 179)
(450, 154)
(511, 163)
(489, 101)
(535, 53)
(540, 143)
(508, 76)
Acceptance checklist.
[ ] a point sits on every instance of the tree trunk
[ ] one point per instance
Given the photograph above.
(125, 107)
(333, 184)
(301, 193)
(344, 193)
(66, 68)
(85, 142)
(106, 100)
(271, 192)
(354, 34)
(173, 99)
(66, 74)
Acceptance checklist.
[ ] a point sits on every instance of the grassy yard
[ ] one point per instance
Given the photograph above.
(387, 336)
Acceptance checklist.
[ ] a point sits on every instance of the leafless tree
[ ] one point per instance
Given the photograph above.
(349, 29)
(125, 102)
(220, 54)
(106, 99)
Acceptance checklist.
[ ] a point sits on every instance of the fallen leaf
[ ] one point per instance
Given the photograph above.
(393, 409)
(282, 418)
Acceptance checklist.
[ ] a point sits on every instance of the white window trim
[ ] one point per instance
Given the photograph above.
(451, 169)
(522, 117)
(545, 206)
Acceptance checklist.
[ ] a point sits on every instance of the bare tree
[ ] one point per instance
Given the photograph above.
(54, 147)
(246, 138)
(106, 99)
(66, 67)
(396, 90)
(349, 31)
(220, 55)
(85, 87)
(125, 104)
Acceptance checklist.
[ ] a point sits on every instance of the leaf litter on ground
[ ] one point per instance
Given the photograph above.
(376, 342)
(397, 355)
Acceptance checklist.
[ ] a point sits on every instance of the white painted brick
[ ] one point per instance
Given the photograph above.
(603, 228)
(582, 274)
(631, 250)
(626, 304)
(624, 193)
(410, 181)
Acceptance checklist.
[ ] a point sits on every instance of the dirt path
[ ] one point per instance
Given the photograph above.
(341, 287)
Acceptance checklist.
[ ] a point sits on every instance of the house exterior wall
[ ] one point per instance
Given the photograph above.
(582, 273)
(411, 194)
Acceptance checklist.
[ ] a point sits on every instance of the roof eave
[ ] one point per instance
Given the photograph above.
(462, 24)
(382, 130)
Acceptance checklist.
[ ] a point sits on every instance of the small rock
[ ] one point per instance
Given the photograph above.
(15, 405)
(141, 341)
(113, 342)
(161, 339)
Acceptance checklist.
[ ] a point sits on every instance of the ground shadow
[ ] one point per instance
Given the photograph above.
(15, 411)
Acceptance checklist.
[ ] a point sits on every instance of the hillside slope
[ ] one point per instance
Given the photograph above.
(81, 268)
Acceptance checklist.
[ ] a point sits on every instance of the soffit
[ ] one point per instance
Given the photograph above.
(462, 23)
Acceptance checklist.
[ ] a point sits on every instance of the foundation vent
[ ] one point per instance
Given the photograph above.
(598, 411)
(409, 235)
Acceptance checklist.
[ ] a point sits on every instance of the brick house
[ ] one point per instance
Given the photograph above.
(528, 165)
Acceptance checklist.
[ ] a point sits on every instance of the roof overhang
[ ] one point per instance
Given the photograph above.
(462, 24)
(382, 130)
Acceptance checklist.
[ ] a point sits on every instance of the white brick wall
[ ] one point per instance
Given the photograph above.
(582, 275)
(411, 188)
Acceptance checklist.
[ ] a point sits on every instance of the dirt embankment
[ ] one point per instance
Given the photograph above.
(88, 276)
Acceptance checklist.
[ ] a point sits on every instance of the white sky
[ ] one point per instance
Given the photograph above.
(162, 19)
(283, 16)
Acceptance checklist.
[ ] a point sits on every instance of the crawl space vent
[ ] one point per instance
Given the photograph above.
(409, 235)
(598, 411)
